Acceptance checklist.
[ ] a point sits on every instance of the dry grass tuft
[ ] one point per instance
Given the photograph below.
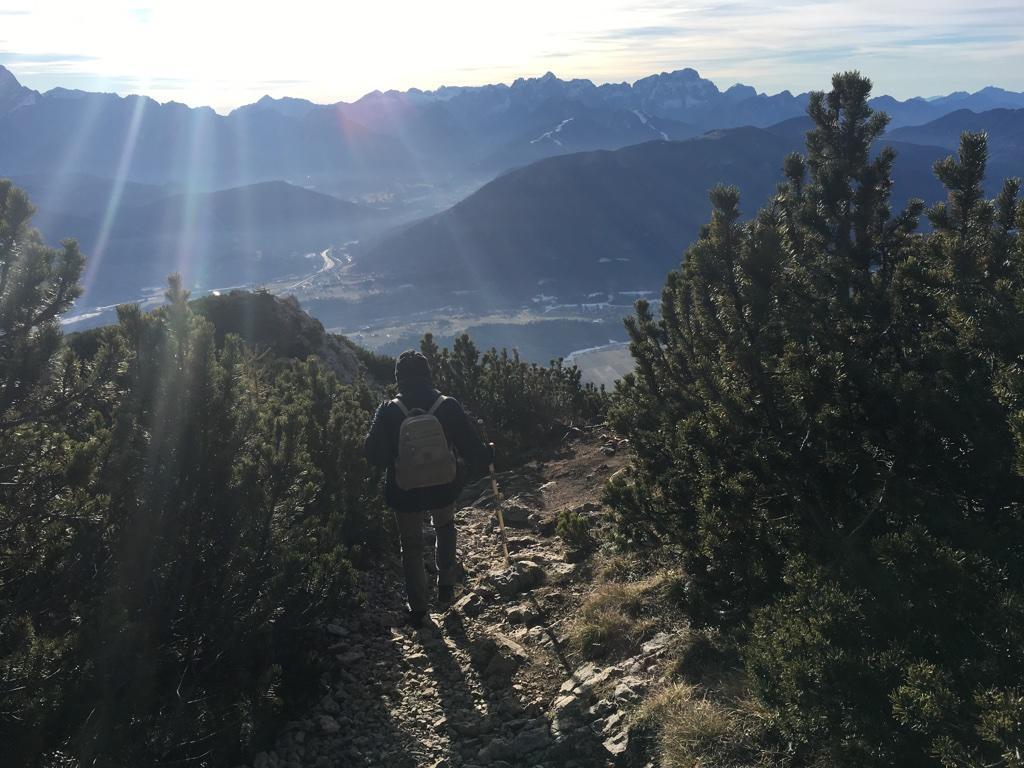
(695, 731)
(617, 617)
(619, 567)
(608, 622)
(707, 719)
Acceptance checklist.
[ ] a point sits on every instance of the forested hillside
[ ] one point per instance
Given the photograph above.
(603, 222)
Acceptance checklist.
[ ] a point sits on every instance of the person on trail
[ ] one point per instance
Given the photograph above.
(418, 437)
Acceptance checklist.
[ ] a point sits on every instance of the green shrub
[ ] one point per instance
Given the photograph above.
(380, 367)
(827, 422)
(524, 405)
(175, 519)
(574, 529)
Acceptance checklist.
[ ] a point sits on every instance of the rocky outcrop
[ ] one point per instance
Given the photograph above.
(522, 576)
(279, 325)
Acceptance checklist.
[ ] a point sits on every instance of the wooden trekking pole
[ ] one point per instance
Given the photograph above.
(497, 497)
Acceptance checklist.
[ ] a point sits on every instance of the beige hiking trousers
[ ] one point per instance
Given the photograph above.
(410, 531)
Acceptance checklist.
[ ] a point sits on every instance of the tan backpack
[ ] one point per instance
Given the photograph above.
(424, 457)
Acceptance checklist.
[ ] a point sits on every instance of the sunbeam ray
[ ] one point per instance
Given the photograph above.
(113, 207)
(190, 256)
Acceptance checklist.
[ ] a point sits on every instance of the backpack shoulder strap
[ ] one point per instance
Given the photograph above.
(401, 405)
(437, 403)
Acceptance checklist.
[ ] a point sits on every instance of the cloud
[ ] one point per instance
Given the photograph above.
(229, 51)
(639, 33)
(28, 65)
(796, 44)
(44, 58)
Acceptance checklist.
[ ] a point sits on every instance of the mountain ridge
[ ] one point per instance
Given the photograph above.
(992, 96)
(1004, 128)
(384, 138)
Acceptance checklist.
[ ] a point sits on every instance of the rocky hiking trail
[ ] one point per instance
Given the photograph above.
(492, 680)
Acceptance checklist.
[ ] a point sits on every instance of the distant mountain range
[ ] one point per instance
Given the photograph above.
(566, 187)
(137, 139)
(392, 137)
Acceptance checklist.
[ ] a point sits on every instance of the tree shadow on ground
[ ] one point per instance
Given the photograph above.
(468, 715)
(367, 683)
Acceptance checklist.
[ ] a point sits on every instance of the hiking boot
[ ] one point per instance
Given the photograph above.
(446, 594)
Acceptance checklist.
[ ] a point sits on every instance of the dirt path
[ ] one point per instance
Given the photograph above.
(490, 681)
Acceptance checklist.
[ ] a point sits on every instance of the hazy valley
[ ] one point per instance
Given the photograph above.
(533, 214)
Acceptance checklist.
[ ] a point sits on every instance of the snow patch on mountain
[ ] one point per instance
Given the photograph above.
(643, 119)
(551, 135)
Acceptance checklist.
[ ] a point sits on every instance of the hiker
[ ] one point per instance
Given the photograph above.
(423, 475)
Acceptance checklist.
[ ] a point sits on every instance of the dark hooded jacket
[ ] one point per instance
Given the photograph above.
(381, 445)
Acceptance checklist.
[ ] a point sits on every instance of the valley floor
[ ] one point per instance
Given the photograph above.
(492, 681)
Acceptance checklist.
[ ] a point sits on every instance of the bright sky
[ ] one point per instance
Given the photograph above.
(225, 53)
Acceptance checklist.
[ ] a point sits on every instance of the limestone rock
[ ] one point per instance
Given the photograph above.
(629, 689)
(546, 526)
(656, 644)
(498, 658)
(515, 514)
(601, 710)
(617, 744)
(566, 711)
(613, 722)
(501, 667)
(523, 576)
(588, 677)
(538, 635)
(510, 647)
(523, 614)
(626, 747)
(471, 604)
(586, 509)
(531, 740)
